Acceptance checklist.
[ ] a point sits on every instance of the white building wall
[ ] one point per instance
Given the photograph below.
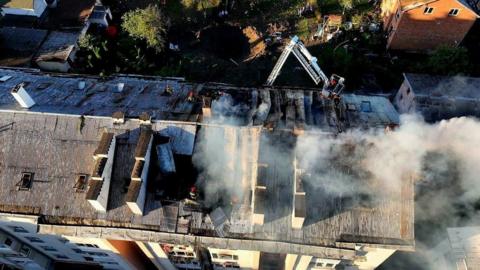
(54, 66)
(100, 247)
(405, 98)
(373, 258)
(107, 176)
(160, 258)
(246, 259)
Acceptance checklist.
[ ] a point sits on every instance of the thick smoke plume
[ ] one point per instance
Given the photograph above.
(449, 149)
(224, 154)
(443, 158)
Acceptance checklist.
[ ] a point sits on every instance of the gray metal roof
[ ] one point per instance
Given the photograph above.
(58, 46)
(60, 93)
(444, 86)
(56, 138)
(19, 45)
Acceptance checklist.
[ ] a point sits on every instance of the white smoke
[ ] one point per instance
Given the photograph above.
(443, 158)
(223, 152)
(389, 157)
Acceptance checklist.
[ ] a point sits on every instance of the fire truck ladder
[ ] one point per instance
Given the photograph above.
(332, 86)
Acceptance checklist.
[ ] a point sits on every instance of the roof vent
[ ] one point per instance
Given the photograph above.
(5, 78)
(22, 97)
(81, 85)
(145, 119)
(120, 87)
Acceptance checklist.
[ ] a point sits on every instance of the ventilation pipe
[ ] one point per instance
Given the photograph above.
(22, 97)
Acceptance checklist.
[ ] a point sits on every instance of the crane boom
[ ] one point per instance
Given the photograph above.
(331, 87)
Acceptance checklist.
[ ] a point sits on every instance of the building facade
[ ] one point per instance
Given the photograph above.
(438, 97)
(425, 25)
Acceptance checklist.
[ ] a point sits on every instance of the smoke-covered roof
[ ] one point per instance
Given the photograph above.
(444, 97)
(444, 86)
(56, 138)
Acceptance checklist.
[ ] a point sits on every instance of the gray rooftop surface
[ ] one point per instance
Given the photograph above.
(444, 86)
(56, 143)
(57, 46)
(19, 45)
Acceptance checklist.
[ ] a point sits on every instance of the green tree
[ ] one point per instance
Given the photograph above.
(449, 61)
(147, 24)
(346, 4)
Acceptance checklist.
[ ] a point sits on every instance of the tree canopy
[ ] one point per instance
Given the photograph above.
(449, 61)
(147, 24)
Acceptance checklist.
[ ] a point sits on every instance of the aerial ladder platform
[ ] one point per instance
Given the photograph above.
(331, 88)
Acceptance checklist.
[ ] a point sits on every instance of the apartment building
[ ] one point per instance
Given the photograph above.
(112, 159)
(438, 97)
(425, 25)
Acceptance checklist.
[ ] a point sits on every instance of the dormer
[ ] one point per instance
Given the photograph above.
(99, 183)
(138, 178)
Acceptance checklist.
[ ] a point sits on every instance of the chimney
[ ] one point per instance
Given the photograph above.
(22, 97)
(120, 87)
(206, 107)
(81, 85)
(145, 119)
(118, 117)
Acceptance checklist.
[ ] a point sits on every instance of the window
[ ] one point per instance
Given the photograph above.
(214, 255)
(81, 183)
(34, 239)
(100, 254)
(18, 229)
(366, 106)
(87, 245)
(397, 15)
(351, 107)
(453, 12)
(8, 242)
(49, 248)
(25, 182)
(25, 250)
(77, 250)
(428, 10)
(408, 91)
(61, 256)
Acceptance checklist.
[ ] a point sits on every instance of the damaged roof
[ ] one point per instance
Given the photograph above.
(56, 138)
(58, 46)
